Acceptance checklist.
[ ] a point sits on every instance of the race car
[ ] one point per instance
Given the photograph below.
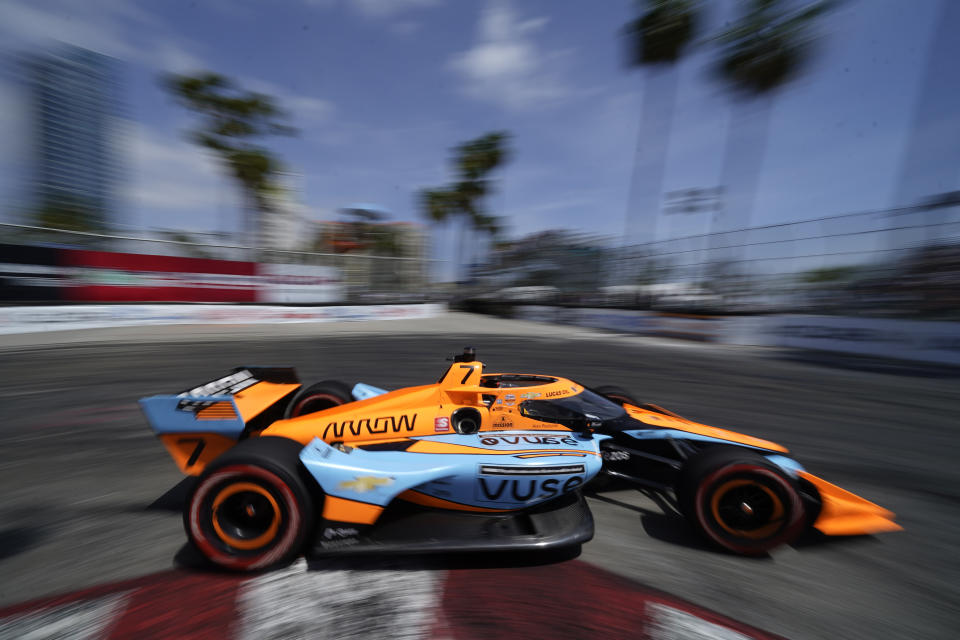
(477, 461)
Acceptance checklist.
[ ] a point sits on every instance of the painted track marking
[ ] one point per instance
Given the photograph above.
(389, 599)
(296, 603)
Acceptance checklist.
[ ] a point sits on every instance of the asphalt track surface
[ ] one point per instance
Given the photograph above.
(81, 474)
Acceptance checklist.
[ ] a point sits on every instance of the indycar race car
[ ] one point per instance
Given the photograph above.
(477, 461)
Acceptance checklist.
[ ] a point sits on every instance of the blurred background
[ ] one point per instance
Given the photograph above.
(705, 157)
(781, 173)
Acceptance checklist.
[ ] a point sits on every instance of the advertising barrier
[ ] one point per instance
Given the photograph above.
(298, 283)
(60, 318)
(30, 274)
(102, 276)
(914, 340)
(646, 323)
(611, 319)
(936, 342)
(55, 274)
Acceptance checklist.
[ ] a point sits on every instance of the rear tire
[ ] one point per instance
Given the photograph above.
(740, 501)
(319, 396)
(251, 508)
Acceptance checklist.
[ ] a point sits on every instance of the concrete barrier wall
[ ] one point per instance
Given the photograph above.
(54, 318)
(917, 340)
(48, 274)
(648, 323)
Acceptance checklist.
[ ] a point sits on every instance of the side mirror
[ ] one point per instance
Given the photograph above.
(469, 355)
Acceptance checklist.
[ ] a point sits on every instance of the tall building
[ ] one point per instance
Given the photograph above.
(75, 109)
(284, 226)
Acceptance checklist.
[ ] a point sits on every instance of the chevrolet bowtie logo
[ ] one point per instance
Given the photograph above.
(362, 484)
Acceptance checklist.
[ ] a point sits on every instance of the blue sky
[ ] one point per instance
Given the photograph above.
(381, 89)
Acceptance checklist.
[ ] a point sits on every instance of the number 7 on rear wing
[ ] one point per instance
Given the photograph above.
(199, 424)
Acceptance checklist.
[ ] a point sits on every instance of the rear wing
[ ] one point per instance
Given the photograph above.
(203, 421)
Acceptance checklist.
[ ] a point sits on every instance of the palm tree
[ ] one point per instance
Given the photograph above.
(463, 200)
(762, 51)
(656, 41)
(230, 120)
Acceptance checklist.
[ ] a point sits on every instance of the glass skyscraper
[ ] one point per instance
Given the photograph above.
(74, 96)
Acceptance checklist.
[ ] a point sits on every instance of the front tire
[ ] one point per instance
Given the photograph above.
(616, 394)
(740, 501)
(251, 508)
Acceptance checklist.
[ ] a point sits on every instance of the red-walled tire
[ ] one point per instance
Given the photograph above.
(740, 501)
(319, 396)
(251, 508)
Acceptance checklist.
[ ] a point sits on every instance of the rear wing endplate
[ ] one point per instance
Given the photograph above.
(224, 406)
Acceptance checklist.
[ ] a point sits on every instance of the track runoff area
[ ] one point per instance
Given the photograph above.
(89, 551)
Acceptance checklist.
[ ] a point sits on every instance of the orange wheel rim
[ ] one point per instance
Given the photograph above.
(755, 533)
(246, 543)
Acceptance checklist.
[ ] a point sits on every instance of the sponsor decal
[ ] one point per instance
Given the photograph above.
(339, 532)
(503, 421)
(373, 426)
(494, 440)
(363, 484)
(545, 426)
(509, 399)
(441, 425)
(615, 456)
(514, 470)
(529, 395)
(523, 489)
(227, 385)
(344, 542)
(554, 394)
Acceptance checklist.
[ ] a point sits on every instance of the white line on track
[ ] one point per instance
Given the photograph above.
(297, 603)
(84, 620)
(667, 623)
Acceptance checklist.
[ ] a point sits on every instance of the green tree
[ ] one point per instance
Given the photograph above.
(656, 40)
(763, 50)
(70, 213)
(231, 120)
(366, 229)
(473, 161)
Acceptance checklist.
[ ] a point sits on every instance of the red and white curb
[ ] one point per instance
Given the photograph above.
(560, 601)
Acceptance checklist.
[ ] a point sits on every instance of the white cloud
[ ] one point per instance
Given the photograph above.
(383, 8)
(305, 109)
(505, 65)
(114, 27)
(26, 22)
(377, 8)
(171, 57)
(168, 174)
